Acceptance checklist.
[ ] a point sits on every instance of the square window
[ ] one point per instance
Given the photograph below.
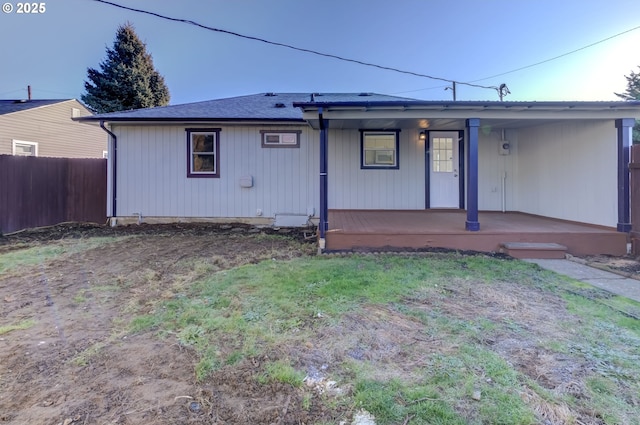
(379, 149)
(280, 139)
(203, 152)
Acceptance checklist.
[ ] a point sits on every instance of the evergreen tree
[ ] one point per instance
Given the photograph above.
(633, 93)
(126, 79)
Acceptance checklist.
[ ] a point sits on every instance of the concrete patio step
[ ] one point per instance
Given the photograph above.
(534, 250)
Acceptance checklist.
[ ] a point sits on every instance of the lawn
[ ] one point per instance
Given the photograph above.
(211, 326)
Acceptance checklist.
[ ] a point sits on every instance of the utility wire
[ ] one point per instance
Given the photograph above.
(560, 56)
(538, 63)
(288, 46)
(11, 91)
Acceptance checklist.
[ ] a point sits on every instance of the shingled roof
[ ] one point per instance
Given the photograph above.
(263, 106)
(15, 105)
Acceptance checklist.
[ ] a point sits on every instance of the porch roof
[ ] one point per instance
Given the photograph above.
(451, 114)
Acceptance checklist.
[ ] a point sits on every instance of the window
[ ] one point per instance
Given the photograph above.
(280, 139)
(442, 155)
(203, 152)
(22, 148)
(379, 149)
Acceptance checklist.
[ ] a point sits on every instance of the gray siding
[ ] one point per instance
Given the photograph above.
(492, 167)
(568, 171)
(53, 130)
(545, 169)
(353, 188)
(152, 174)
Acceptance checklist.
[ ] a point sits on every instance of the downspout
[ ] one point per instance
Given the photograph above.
(324, 222)
(114, 160)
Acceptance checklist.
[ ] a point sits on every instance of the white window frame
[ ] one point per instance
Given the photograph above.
(380, 162)
(24, 143)
(285, 138)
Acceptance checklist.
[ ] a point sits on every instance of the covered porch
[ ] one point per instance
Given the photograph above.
(425, 229)
(560, 170)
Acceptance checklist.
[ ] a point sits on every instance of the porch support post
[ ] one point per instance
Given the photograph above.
(624, 127)
(472, 224)
(324, 209)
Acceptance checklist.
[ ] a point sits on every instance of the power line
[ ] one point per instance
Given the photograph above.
(288, 46)
(537, 63)
(560, 56)
(12, 91)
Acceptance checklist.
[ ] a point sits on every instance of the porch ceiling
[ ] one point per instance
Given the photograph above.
(425, 123)
(452, 115)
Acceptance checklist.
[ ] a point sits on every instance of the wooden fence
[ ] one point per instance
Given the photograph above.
(634, 180)
(44, 191)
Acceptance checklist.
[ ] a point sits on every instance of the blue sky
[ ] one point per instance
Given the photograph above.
(463, 40)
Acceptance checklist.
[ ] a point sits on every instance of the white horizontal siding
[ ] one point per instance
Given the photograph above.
(569, 171)
(351, 187)
(53, 130)
(152, 174)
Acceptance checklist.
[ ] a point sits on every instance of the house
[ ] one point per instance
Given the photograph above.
(375, 171)
(45, 128)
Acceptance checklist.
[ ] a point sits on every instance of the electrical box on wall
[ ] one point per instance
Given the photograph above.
(246, 181)
(505, 147)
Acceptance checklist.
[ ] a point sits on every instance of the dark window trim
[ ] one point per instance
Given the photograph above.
(263, 134)
(380, 167)
(191, 174)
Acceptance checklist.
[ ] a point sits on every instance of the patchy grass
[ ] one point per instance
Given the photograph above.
(193, 325)
(22, 325)
(281, 371)
(484, 354)
(13, 261)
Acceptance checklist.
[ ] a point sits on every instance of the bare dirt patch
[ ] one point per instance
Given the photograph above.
(628, 266)
(77, 363)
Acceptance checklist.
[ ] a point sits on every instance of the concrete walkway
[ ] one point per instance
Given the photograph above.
(608, 281)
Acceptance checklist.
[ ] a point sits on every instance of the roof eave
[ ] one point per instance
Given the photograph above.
(177, 120)
(472, 105)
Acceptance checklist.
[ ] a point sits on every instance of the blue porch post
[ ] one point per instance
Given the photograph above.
(472, 223)
(324, 209)
(624, 127)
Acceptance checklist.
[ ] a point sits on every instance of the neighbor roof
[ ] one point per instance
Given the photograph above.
(263, 106)
(17, 105)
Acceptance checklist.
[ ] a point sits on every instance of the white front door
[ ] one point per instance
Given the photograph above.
(444, 183)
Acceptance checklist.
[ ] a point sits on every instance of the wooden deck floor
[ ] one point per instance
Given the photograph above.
(372, 229)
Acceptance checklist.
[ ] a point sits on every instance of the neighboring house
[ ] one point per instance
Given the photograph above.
(45, 128)
(381, 171)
